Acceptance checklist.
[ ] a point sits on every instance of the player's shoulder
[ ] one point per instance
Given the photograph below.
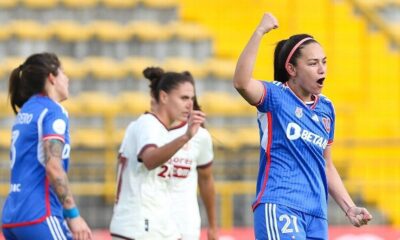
(146, 117)
(129, 134)
(40, 102)
(275, 86)
(149, 121)
(273, 83)
(131, 126)
(325, 100)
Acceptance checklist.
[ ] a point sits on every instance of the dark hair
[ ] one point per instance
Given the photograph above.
(282, 51)
(196, 105)
(165, 81)
(30, 77)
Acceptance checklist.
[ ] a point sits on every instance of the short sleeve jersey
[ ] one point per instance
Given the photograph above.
(293, 137)
(31, 198)
(143, 200)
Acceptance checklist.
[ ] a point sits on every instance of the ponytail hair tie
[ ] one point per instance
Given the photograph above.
(20, 70)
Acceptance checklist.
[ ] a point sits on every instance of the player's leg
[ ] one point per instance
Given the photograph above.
(317, 228)
(273, 221)
(53, 228)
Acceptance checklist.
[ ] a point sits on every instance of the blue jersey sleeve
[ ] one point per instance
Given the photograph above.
(55, 124)
(269, 100)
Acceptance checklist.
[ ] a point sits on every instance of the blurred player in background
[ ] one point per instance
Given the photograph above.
(40, 197)
(296, 130)
(143, 207)
(192, 166)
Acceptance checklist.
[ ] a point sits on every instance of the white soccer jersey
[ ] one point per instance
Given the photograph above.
(197, 153)
(143, 208)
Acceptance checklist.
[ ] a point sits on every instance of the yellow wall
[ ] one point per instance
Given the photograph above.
(363, 72)
(363, 80)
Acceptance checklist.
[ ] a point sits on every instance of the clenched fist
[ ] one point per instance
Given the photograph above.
(358, 216)
(268, 22)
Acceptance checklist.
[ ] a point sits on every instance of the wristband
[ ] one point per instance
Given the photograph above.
(71, 213)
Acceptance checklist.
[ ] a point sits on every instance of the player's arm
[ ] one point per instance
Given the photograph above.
(58, 179)
(154, 156)
(358, 216)
(251, 89)
(207, 194)
(55, 172)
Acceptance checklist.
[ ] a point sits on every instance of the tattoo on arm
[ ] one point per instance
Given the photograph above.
(53, 149)
(53, 152)
(62, 190)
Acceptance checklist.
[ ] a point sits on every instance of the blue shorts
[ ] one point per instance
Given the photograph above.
(53, 228)
(274, 221)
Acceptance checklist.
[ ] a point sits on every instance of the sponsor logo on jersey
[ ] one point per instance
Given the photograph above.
(66, 151)
(181, 171)
(16, 187)
(315, 118)
(180, 161)
(294, 132)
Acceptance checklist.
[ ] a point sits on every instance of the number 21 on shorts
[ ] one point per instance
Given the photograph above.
(277, 222)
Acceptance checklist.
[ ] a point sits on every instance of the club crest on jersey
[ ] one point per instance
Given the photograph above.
(327, 124)
(298, 112)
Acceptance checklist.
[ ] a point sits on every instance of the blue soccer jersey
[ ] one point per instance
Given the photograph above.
(31, 198)
(293, 138)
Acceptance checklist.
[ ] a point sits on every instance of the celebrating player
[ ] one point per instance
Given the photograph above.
(296, 131)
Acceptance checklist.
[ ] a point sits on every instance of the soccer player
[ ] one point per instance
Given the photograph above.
(40, 198)
(143, 204)
(296, 126)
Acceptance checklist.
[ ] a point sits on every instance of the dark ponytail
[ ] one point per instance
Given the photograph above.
(153, 74)
(281, 53)
(30, 77)
(165, 81)
(280, 73)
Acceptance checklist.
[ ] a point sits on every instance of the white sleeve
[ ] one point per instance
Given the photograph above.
(127, 136)
(206, 153)
(151, 132)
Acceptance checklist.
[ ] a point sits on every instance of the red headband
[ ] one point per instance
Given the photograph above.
(295, 48)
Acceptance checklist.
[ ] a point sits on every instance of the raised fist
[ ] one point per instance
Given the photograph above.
(268, 22)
